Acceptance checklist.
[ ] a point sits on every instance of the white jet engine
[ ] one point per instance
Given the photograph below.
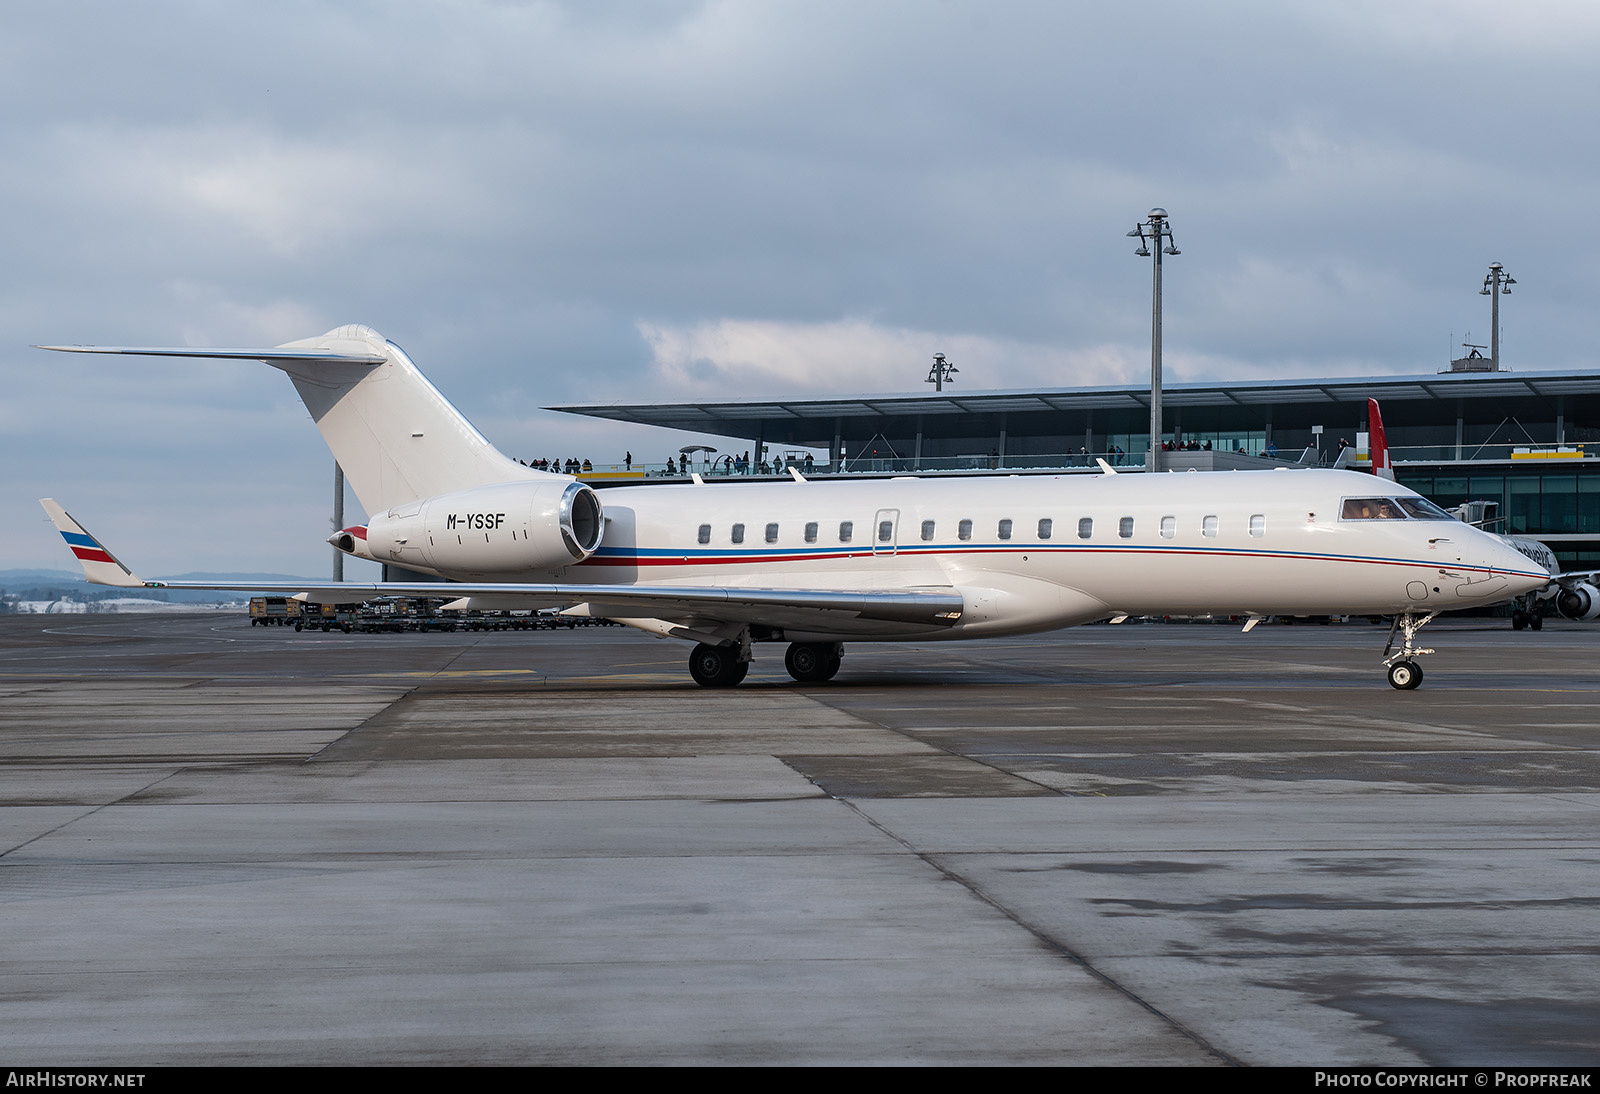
(1580, 601)
(509, 528)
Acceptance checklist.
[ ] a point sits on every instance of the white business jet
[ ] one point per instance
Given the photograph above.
(816, 564)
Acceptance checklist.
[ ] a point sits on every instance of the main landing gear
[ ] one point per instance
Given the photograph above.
(724, 666)
(1404, 673)
(813, 662)
(719, 666)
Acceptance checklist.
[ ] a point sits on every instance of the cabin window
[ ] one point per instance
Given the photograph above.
(846, 530)
(964, 530)
(772, 533)
(885, 531)
(1208, 527)
(1005, 529)
(738, 533)
(1169, 527)
(927, 531)
(705, 533)
(1258, 525)
(1125, 528)
(811, 531)
(1085, 527)
(1045, 526)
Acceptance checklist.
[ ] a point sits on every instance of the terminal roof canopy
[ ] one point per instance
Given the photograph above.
(1292, 405)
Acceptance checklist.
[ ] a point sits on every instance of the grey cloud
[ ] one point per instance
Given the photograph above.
(514, 191)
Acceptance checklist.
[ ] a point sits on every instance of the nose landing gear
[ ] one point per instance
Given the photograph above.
(1404, 673)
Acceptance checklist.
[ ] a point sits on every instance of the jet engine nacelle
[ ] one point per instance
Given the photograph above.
(1581, 601)
(513, 527)
(353, 541)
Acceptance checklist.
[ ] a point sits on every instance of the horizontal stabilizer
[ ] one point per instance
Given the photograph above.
(326, 356)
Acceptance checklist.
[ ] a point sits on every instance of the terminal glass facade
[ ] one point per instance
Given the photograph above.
(1563, 501)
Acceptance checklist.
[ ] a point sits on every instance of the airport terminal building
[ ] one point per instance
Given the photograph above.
(1529, 441)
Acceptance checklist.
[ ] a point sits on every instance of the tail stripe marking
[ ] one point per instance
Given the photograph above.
(87, 548)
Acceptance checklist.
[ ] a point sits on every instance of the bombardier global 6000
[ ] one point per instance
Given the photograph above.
(816, 564)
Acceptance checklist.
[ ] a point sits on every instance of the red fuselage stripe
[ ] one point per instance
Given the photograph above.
(702, 560)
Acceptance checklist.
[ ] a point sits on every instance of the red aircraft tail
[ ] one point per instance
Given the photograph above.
(1377, 444)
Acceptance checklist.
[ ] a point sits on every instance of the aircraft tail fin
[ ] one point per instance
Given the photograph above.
(1377, 443)
(100, 566)
(396, 437)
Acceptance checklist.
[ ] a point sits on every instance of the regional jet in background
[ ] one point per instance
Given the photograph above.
(1574, 594)
(815, 564)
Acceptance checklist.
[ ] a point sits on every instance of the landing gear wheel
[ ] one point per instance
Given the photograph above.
(1405, 675)
(1536, 621)
(813, 662)
(1519, 620)
(717, 666)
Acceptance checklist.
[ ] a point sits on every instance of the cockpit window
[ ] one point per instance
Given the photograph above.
(1392, 509)
(1423, 509)
(1371, 509)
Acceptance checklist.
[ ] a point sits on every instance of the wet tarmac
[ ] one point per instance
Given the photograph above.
(1130, 844)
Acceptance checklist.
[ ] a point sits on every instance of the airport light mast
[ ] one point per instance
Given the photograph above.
(1155, 230)
(1495, 283)
(941, 373)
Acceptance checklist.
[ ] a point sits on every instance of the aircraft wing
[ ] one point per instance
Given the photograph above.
(720, 603)
(686, 604)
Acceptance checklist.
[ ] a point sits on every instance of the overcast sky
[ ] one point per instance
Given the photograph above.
(598, 201)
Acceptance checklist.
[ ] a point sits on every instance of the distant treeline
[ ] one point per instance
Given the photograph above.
(9, 597)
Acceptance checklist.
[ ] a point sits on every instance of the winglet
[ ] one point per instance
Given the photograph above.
(795, 471)
(100, 566)
(1105, 467)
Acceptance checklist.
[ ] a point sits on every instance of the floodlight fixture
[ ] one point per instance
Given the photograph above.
(1496, 283)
